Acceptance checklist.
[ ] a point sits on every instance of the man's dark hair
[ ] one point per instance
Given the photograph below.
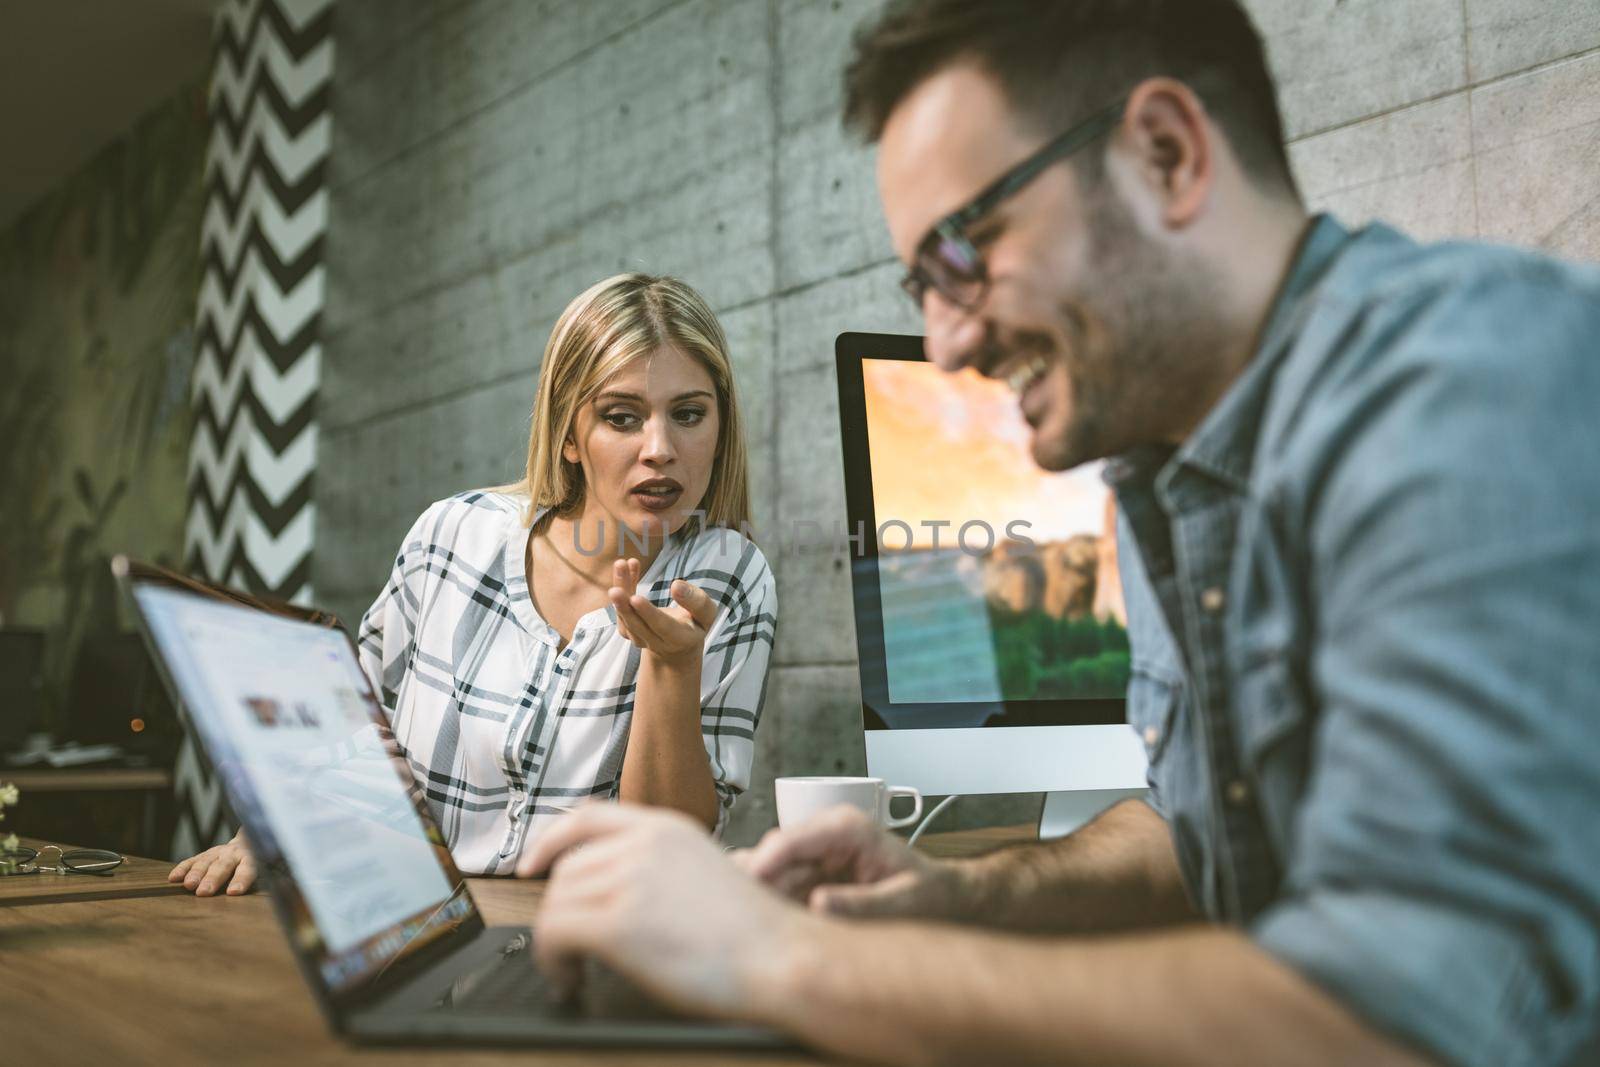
(1059, 60)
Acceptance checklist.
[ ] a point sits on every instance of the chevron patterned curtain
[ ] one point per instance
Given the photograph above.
(254, 452)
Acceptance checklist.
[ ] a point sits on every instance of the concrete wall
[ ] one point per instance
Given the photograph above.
(496, 157)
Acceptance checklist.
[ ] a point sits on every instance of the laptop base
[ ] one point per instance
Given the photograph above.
(491, 993)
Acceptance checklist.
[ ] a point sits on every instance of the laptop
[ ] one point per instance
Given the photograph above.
(376, 913)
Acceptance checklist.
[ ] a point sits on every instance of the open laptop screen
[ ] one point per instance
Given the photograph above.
(290, 723)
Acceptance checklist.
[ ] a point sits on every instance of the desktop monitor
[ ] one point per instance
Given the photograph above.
(989, 619)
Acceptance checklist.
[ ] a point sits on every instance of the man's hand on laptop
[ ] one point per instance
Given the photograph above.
(649, 894)
(842, 863)
(229, 865)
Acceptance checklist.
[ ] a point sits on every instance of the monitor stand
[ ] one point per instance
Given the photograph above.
(1071, 809)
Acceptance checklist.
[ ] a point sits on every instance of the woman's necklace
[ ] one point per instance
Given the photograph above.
(591, 579)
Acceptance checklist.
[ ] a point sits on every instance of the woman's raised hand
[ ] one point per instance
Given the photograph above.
(229, 866)
(674, 634)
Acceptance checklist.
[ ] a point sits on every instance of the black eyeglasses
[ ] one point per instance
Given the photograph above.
(947, 262)
(72, 861)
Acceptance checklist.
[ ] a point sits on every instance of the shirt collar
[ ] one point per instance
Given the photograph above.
(515, 557)
(1223, 446)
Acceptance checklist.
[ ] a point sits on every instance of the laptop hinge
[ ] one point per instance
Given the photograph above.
(404, 971)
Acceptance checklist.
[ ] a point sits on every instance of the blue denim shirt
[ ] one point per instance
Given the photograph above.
(1364, 604)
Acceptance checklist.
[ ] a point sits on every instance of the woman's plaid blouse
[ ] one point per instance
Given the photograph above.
(502, 730)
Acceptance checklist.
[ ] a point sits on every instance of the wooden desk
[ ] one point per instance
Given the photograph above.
(964, 843)
(137, 877)
(172, 979)
(179, 980)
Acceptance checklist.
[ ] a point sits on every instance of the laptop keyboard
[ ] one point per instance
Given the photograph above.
(512, 983)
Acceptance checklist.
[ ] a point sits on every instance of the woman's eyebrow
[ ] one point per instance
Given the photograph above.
(617, 394)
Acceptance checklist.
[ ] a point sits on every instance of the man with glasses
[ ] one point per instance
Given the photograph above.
(1359, 487)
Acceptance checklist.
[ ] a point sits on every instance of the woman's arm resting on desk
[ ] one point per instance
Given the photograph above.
(666, 762)
(229, 864)
(1119, 872)
(653, 897)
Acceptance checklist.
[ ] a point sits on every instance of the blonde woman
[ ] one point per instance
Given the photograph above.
(601, 628)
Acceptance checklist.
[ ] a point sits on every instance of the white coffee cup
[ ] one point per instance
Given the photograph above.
(801, 798)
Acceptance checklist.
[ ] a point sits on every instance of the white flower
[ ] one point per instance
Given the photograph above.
(8, 794)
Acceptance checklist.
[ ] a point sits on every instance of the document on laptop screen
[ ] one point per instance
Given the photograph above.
(285, 705)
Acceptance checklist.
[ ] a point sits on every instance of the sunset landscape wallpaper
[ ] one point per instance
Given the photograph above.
(1034, 615)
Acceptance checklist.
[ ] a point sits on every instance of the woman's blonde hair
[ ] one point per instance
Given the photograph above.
(608, 326)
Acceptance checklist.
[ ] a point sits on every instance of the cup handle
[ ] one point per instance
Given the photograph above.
(916, 807)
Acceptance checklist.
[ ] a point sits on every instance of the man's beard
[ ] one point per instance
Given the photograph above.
(1134, 339)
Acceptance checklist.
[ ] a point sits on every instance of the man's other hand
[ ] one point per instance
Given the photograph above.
(842, 863)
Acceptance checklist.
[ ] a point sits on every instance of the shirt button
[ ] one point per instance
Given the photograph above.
(1238, 792)
(1213, 599)
(1151, 736)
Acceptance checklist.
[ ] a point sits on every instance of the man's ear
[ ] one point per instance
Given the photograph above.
(1174, 148)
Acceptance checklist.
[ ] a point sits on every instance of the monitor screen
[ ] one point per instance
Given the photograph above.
(290, 723)
(989, 586)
